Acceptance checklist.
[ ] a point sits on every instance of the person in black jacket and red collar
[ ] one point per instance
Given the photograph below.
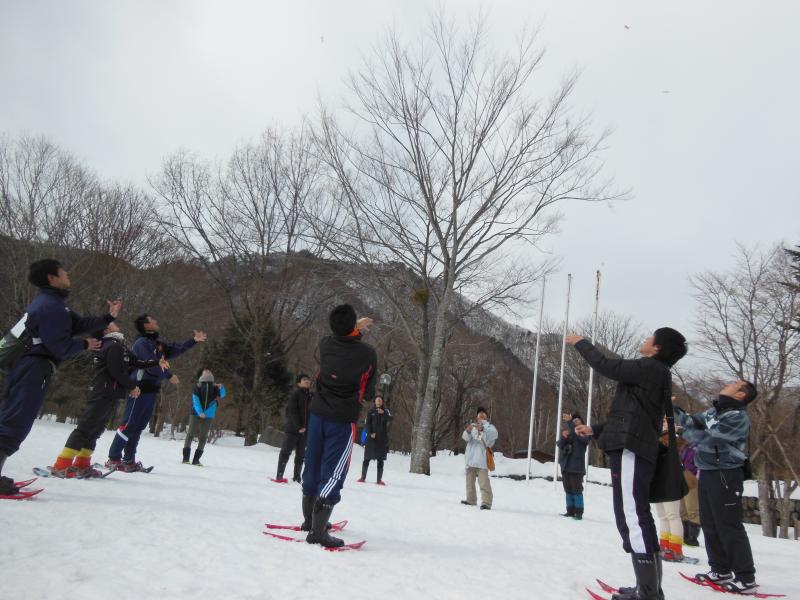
(52, 326)
(630, 438)
(294, 435)
(346, 380)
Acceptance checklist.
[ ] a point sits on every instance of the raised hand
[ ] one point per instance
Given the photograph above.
(164, 364)
(93, 345)
(174, 380)
(573, 338)
(364, 323)
(200, 336)
(114, 306)
(583, 430)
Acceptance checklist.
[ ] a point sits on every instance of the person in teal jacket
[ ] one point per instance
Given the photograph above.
(204, 408)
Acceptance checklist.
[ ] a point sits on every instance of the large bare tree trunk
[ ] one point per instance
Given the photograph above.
(765, 504)
(423, 428)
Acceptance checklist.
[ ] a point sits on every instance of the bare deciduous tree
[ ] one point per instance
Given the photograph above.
(744, 326)
(244, 224)
(452, 168)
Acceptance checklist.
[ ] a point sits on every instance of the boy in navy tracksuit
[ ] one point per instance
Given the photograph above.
(52, 326)
(139, 410)
(346, 380)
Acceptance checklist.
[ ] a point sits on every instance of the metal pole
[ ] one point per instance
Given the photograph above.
(561, 380)
(535, 378)
(591, 371)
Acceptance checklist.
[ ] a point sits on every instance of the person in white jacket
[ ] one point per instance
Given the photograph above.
(479, 435)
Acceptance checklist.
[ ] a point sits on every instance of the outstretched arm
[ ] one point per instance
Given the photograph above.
(618, 369)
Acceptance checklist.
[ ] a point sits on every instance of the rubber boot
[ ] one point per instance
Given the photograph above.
(308, 509)
(281, 469)
(186, 452)
(319, 526)
(660, 568)
(298, 469)
(196, 459)
(645, 566)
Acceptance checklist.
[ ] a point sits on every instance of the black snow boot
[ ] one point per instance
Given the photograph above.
(298, 469)
(308, 510)
(640, 591)
(196, 459)
(7, 486)
(281, 469)
(691, 531)
(186, 453)
(380, 472)
(648, 584)
(319, 526)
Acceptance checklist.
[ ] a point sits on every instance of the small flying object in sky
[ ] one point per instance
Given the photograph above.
(627, 26)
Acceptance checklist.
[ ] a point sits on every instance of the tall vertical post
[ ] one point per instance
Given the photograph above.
(591, 371)
(561, 379)
(535, 378)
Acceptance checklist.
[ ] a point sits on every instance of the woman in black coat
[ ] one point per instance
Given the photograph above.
(376, 426)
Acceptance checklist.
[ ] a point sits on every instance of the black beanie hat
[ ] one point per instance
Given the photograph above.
(671, 343)
(343, 320)
(300, 377)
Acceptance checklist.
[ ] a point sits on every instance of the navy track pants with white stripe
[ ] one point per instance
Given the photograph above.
(631, 476)
(328, 450)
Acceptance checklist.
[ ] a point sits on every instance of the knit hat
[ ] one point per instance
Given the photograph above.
(302, 376)
(343, 320)
(206, 377)
(672, 345)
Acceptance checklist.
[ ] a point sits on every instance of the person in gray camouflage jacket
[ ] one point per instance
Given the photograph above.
(720, 435)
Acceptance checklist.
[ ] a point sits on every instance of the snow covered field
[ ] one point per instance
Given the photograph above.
(189, 532)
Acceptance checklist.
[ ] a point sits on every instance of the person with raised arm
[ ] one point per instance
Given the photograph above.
(52, 326)
(630, 437)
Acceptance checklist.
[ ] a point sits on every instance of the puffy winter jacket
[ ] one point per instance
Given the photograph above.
(637, 410)
(572, 456)
(719, 434)
(477, 442)
(204, 398)
(346, 378)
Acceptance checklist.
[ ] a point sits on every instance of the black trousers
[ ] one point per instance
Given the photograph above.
(98, 411)
(727, 545)
(292, 442)
(365, 468)
(572, 482)
(631, 476)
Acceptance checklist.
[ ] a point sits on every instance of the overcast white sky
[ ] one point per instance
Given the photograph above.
(122, 84)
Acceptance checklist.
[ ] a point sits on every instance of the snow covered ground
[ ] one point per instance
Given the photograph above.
(189, 532)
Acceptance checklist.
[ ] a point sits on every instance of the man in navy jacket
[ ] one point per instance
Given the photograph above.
(139, 410)
(52, 326)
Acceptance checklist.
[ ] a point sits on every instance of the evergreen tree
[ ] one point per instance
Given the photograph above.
(233, 359)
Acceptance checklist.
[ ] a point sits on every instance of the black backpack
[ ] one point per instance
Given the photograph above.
(14, 344)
